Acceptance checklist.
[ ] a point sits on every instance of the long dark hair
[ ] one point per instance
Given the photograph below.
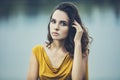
(72, 12)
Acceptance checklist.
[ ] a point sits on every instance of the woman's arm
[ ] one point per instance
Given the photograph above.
(33, 68)
(80, 60)
(85, 64)
(79, 63)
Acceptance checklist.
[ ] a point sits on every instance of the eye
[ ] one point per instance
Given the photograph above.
(63, 23)
(53, 21)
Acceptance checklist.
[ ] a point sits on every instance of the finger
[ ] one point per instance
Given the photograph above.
(77, 25)
(78, 28)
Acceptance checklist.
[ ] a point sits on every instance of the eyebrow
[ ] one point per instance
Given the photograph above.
(64, 21)
(60, 20)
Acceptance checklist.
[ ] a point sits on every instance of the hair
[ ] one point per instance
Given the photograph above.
(72, 12)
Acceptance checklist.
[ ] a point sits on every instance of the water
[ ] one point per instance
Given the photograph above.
(19, 33)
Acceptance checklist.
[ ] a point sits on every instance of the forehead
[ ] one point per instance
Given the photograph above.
(60, 15)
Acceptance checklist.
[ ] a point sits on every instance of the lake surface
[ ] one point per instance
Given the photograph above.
(20, 32)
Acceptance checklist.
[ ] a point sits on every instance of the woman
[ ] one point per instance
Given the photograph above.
(65, 55)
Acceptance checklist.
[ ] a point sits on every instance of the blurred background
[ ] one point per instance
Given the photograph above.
(23, 24)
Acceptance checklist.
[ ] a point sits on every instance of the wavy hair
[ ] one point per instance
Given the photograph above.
(72, 12)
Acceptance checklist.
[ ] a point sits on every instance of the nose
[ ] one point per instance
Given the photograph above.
(56, 27)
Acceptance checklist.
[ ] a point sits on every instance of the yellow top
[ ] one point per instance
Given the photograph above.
(47, 71)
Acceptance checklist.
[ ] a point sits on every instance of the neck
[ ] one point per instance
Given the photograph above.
(58, 44)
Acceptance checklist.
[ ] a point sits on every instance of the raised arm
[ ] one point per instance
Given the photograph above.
(80, 60)
(33, 69)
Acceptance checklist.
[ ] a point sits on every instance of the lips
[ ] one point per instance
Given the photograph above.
(55, 33)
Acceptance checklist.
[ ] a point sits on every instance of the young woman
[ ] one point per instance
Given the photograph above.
(65, 55)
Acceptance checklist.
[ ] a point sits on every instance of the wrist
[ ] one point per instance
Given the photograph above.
(77, 43)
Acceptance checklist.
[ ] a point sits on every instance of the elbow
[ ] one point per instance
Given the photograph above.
(77, 78)
(29, 77)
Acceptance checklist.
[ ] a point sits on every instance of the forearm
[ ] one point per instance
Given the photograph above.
(33, 69)
(77, 70)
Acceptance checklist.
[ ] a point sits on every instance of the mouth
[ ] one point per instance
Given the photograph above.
(55, 33)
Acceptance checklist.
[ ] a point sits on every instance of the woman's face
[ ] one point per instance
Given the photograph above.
(59, 25)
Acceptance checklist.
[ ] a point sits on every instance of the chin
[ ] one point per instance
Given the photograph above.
(58, 39)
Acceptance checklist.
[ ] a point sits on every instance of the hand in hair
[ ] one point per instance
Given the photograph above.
(79, 31)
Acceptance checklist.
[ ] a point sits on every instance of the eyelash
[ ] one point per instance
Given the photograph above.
(53, 21)
(62, 23)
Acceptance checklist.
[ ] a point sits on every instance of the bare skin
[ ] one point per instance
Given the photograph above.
(80, 61)
(59, 25)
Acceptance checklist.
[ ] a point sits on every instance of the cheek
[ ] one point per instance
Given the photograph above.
(65, 32)
(50, 27)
